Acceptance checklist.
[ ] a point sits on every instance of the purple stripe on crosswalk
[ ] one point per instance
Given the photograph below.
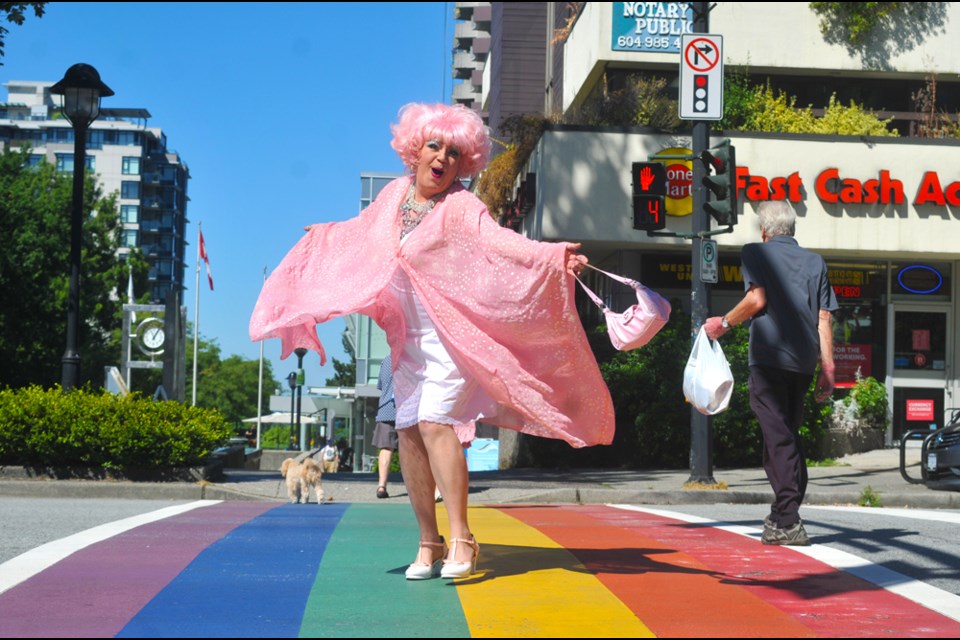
(97, 590)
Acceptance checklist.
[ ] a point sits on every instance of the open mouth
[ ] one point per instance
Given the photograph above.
(436, 173)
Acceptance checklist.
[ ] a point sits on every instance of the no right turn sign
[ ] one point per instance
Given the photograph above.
(701, 77)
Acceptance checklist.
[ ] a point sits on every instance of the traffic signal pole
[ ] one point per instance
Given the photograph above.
(701, 427)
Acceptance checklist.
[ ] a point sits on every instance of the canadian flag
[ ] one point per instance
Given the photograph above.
(206, 259)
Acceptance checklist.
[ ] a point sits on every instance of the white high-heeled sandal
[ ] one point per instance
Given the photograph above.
(424, 569)
(454, 569)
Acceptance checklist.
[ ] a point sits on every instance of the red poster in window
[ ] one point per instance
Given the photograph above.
(848, 358)
(921, 340)
(920, 410)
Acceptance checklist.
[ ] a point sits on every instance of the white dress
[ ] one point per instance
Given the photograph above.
(427, 384)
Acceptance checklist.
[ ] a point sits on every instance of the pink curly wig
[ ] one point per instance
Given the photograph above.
(455, 125)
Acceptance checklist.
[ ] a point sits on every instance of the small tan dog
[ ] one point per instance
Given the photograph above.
(300, 477)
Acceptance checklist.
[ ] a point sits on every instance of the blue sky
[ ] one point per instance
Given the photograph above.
(276, 108)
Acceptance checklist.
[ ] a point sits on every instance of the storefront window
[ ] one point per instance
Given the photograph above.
(859, 325)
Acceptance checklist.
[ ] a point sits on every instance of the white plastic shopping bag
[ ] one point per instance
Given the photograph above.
(707, 379)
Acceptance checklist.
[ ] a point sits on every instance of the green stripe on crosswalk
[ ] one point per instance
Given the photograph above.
(361, 592)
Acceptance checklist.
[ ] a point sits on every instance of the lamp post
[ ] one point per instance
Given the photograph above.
(81, 89)
(292, 381)
(300, 351)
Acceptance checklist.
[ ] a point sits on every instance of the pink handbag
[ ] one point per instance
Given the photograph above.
(637, 325)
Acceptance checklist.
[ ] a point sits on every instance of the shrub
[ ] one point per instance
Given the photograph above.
(761, 108)
(865, 407)
(81, 428)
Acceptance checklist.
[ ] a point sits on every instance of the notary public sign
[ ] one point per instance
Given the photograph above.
(650, 27)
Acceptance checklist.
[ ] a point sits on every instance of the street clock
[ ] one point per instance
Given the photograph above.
(150, 336)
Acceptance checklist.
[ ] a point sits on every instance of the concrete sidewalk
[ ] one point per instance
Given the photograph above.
(855, 477)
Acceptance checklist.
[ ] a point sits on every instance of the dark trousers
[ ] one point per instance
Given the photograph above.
(776, 397)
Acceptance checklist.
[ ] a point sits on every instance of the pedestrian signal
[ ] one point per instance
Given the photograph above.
(649, 189)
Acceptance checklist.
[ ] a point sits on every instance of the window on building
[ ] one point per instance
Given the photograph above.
(160, 292)
(94, 139)
(60, 134)
(65, 162)
(131, 166)
(129, 213)
(130, 238)
(129, 189)
(128, 138)
(860, 324)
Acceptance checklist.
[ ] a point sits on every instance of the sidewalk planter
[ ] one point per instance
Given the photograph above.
(837, 443)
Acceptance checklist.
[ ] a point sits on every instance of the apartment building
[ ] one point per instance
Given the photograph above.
(128, 157)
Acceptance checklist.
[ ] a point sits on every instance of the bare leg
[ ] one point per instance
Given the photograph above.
(418, 478)
(449, 468)
(383, 466)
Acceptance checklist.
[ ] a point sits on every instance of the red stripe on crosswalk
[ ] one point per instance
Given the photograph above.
(684, 579)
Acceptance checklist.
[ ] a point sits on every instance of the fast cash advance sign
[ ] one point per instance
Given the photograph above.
(832, 186)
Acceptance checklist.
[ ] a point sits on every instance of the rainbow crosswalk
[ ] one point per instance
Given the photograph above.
(254, 569)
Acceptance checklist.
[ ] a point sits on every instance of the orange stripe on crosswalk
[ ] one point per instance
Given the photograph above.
(673, 593)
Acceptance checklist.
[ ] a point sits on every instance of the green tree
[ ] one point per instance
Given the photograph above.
(857, 20)
(16, 13)
(35, 222)
(345, 373)
(228, 385)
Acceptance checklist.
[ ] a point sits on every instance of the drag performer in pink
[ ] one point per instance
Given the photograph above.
(480, 320)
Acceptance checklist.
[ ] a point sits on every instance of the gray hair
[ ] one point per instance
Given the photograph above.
(777, 218)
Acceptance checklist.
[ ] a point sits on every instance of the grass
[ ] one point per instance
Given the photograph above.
(827, 462)
(869, 498)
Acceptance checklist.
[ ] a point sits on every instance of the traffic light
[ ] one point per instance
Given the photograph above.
(722, 162)
(649, 189)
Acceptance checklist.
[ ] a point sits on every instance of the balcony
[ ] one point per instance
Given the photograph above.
(463, 65)
(463, 35)
(465, 94)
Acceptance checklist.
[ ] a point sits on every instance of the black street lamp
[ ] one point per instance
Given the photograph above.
(81, 89)
(300, 351)
(292, 381)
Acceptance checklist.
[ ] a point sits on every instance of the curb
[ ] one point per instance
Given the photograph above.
(39, 488)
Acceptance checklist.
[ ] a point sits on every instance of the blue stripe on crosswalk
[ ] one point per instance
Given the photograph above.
(267, 568)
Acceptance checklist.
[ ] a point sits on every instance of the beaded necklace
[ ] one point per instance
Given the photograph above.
(413, 212)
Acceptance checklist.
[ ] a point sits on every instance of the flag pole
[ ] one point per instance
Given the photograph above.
(133, 316)
(196, 318)
(260, 383)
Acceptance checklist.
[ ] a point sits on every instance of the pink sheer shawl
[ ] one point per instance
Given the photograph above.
(503, 304)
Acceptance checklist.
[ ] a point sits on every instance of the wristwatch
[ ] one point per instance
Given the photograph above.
(724, 323)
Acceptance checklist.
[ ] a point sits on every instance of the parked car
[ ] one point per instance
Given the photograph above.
(939, 454)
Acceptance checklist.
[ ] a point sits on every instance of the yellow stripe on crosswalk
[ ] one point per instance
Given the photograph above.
(527, 585)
